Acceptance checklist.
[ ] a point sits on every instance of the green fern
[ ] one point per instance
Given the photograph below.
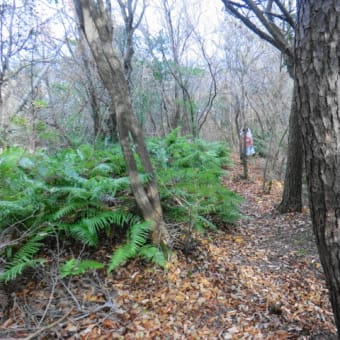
(121, 255)
(16, 269)
(67, 210)
(66, 192)
(10, 208)
(102, 169)
(38, 189)
(77, 267)
(192, 176)
(138, 235)
(153, 254)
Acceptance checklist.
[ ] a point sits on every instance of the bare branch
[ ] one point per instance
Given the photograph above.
(212, 90)
(273, 35)
(52, 325)
(285, 12)
(271, 27)
(262, 34)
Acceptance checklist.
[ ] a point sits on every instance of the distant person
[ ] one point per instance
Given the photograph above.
(246, 133)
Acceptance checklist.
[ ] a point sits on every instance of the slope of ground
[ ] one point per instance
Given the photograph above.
(261, 279)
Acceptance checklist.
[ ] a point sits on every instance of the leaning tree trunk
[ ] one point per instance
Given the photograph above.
(292, 190)
(94, 20)
(318, 86)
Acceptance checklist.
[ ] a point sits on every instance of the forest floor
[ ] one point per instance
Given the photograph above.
(260, 279)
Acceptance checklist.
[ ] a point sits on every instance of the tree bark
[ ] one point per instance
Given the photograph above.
(292, 190)
(94, 21)
(318, 85)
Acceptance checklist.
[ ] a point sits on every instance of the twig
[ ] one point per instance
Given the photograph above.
(49, 303)
(72, 295)
(43, 329)
(108, 304)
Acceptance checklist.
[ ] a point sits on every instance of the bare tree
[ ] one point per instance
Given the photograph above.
(178, 37)
(15, 34)
(273, 21)
(128, 9)
(183, 68)
(94, 20)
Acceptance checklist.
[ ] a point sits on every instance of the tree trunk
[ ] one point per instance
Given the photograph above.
(94, 20)
(292, 190)
(318, 86)
(244, 154)
(91, 90)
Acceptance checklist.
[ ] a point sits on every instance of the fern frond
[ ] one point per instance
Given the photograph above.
(74, 193)
(205, 222)
(76, 267)
(27, 251)
(83, 233)
(121, 255)
(86, 230)
(67, 209)
(70, 173)
(153, 254)
(118, 217)
(101, 169)
(17, 269)
(139, 233)
(9, 207)
(30, 248)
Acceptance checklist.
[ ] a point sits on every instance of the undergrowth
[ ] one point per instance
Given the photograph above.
(83, 195)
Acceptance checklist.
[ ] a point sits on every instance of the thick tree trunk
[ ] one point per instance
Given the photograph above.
(94, 21)
(318, 86)
(292, 191)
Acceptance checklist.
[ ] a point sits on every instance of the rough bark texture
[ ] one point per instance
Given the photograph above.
(318, 86)
(292, 191)
(93, 18)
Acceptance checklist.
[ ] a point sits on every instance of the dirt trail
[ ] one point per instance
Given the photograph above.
(282, 255)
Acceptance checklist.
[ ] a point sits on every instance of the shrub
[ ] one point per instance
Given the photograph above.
(82, 194)
(189, 179)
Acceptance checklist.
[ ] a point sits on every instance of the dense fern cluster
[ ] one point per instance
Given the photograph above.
(83, 194)
(189, 178)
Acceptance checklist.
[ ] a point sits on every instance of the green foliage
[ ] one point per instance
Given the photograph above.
(77, 267)
(16, 269)
(261, 142)
(23, 258)
(83, 195)
(39, 104)
(65, 194)
(189, 177)
(136, 246)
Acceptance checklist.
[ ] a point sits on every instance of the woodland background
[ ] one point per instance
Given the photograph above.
(196, 76)
(193, 68)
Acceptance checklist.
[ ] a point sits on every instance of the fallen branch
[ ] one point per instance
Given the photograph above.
(44, 329)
